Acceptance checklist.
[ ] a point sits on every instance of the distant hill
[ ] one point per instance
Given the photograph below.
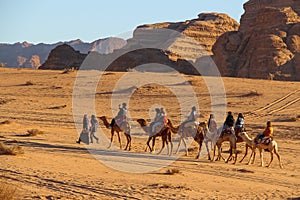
(28, 55)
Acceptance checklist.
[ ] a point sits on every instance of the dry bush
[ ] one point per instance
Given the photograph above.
(28, 83)
(67, 71)
(7, 192)
(57, 107)
(10, 150)
(252, 94)
(5, 122)
(34, 132)
(172, 171)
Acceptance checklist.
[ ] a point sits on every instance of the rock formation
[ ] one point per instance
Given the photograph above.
(27, 55)
(179, 43)
(266, 44)
(63, 57)
(200, 34)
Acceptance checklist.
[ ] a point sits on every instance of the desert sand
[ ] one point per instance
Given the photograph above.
(54, 166)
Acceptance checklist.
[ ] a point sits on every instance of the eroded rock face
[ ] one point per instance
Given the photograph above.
(63, 57)
(199, 36)
(266, 43)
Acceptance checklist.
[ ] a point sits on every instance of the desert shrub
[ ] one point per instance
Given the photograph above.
(10, 150)
(172, 171)
(28, 83)
(251, 94)
(34, 132)
(67, 71)
(6, 122)
(7, 192)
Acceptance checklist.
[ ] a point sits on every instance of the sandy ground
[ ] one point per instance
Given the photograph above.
(55, 167)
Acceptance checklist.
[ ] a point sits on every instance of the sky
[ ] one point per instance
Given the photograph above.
(50, 21)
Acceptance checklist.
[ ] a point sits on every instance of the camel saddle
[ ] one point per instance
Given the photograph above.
(192, 125)
(159, 127)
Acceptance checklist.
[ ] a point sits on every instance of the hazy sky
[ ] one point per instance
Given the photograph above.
(50, 21)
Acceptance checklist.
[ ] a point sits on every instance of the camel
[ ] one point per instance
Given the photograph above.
(165, 134)
(272, 147)
(232, 140)
(211, 137)
(125, 127)
(197, 131)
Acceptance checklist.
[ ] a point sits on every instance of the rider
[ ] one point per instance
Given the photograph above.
(229, 122)
(212, 124)
(121, 116)
(156, 118)
(160, 119)
(239, 124)
(267, 134)
(191, 118)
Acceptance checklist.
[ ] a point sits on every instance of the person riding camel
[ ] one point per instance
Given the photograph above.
(229, 123)
(239, 124)
(191, 118)
(212, 124)
(121, 116)
(159, 121)
(266, 136)
(156, 118)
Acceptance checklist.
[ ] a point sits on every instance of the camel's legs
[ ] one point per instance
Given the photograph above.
(178, 145)
(261, 157)
(252, 156)
(278, 156)
(112, 137)
(253, 159)
(129, 140)
(271, 152)
(171, 148)
(200, 145)
(170, 140)
(214, 153)
(163, 146)
(148, 144)
(235, 155)
(246, 152)
(230, 155)
(153, 143)
(219, 152)
(185, 147)
(119, 139)
(206, 144)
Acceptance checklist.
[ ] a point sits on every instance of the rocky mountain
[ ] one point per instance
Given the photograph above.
(267, 44)
(31, 56)
(63, 57)
(180, 41)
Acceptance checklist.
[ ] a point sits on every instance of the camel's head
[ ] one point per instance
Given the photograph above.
(142, 122)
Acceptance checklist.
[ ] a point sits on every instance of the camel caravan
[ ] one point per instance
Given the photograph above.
(208, 132)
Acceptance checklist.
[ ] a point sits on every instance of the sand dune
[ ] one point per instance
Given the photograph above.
(53, 166)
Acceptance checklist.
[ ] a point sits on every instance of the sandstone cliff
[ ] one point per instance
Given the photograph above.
(266, 44)
(179, 42)
(201, 33)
